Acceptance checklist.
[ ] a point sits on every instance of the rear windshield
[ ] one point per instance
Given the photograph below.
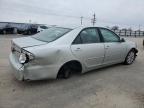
(44, 27)
(51, 34)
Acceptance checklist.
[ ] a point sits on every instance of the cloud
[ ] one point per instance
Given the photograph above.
(108, 12)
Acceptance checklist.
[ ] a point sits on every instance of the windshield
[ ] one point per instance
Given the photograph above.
(51, 34)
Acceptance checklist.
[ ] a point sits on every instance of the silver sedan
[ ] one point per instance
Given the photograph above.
(59, 51)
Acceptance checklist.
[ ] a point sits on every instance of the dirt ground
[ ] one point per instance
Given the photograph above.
(117, 86)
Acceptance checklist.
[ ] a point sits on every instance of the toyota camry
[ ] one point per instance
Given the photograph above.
(59, 51)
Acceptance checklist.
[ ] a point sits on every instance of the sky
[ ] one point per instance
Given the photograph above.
(124, 13)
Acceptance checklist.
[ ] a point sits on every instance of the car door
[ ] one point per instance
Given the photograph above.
(115, 50)
(87, 47)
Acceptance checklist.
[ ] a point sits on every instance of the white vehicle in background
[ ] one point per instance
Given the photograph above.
(42, 28)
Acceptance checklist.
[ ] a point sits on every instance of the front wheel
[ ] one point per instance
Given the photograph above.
(130, 57)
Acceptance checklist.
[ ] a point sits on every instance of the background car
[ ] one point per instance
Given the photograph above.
(42, 28)
(30, 30)
(8, 30)
(59, 51)
(1, 30)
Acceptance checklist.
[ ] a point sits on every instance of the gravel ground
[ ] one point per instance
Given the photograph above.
(117, 86)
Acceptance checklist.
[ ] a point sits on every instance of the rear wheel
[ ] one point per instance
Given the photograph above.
(130, 57)
(69, 68)
(65, 72)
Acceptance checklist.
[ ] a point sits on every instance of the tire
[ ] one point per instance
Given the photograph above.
(130, 57)
(64, 73)
(29, 32)
(4, 32)
(67, 73)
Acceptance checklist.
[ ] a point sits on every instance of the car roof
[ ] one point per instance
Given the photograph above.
(67, 26)
(75, 26)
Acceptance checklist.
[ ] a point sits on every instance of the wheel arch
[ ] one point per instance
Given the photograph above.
(135, 49)
(73, 64)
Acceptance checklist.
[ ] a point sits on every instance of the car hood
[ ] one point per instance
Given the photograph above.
(25, 42)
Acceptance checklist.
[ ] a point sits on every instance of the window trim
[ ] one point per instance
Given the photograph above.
(96, 29)
(111, 32)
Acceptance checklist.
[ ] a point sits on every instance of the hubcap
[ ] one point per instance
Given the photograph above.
(131, 57)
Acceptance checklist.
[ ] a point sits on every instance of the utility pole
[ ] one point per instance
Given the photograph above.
(139, 27)
(81, 20)
(94, 19)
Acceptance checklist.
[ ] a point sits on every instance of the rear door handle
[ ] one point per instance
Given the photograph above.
(107, 47)
(77, 49)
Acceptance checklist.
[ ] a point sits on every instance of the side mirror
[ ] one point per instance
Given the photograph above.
(122, 40)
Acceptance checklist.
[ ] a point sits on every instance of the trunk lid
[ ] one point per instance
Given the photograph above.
(25, 42)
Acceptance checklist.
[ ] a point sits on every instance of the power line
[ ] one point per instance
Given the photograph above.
(70, 16)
